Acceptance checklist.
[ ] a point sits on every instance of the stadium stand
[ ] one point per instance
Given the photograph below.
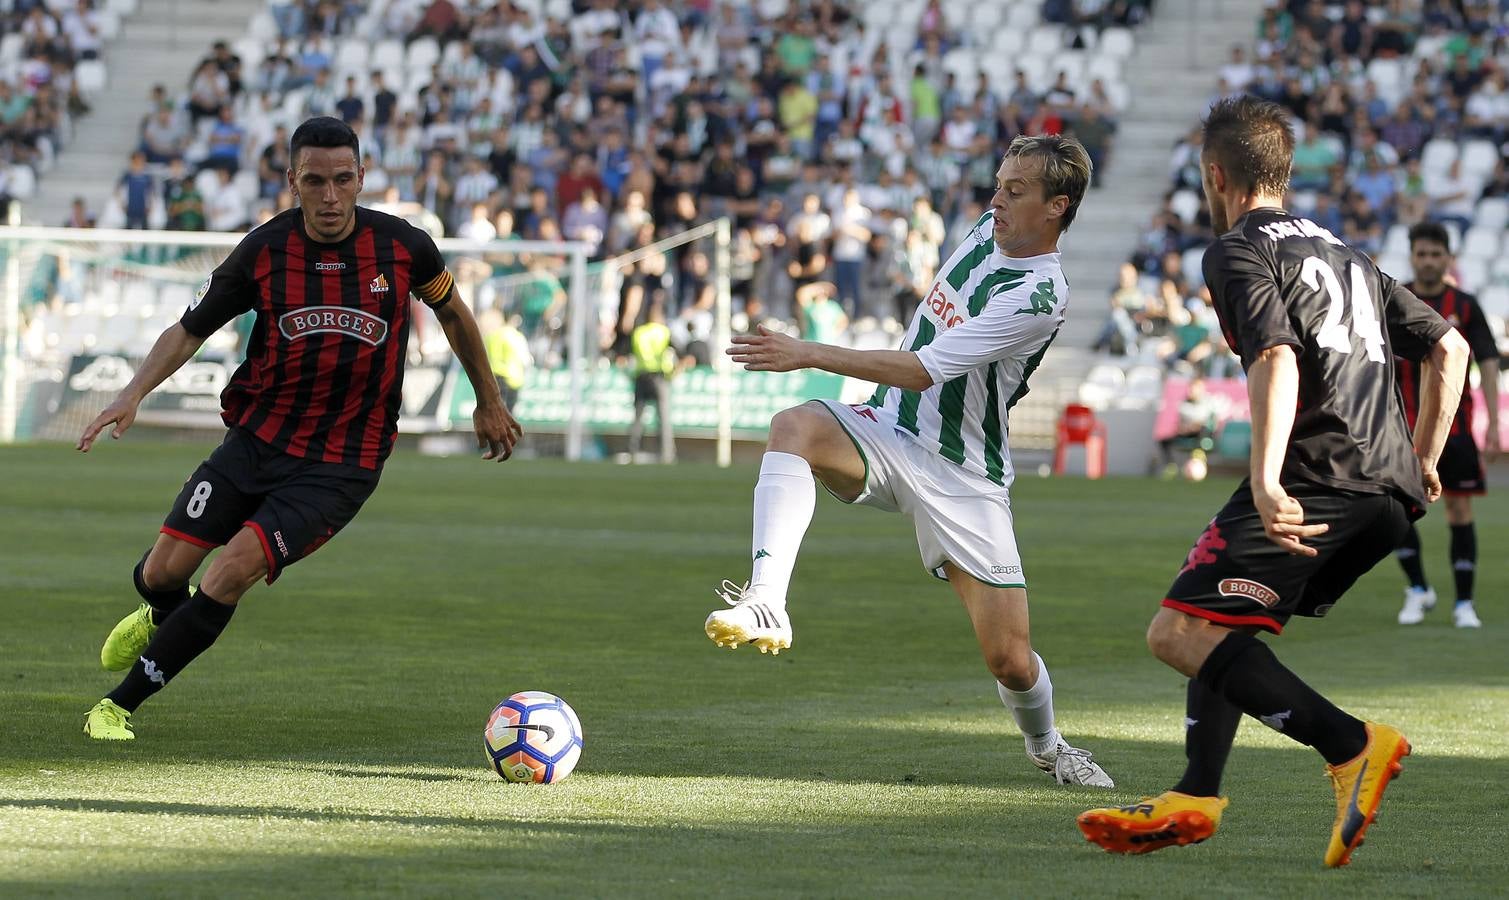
(1401, 113)
(481, 116)
(50, 66)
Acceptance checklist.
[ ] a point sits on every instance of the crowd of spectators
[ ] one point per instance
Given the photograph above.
(844, 158)
(40, 45)
(1375, 89)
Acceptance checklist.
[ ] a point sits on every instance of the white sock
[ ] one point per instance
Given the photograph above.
(1033, 710)
(784, 498)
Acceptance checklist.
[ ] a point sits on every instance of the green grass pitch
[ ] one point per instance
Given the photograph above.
(330, 744)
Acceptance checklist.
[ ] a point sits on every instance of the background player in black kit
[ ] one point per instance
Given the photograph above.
(312, 412)
(1461, 466)
(1334, 483)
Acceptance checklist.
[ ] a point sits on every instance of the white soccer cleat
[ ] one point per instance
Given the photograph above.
(1464, 616)
(1070, 765)
(1417, 602)
(750, 620)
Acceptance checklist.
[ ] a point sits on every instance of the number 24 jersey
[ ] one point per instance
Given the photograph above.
(1278, 279)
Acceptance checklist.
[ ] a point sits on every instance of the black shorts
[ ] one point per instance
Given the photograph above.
(647, 386)
(1461, 466)
(294, 505)
(1236, 576)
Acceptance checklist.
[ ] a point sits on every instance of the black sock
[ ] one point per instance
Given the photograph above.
(1464, 558)
(1244, 671)
(1409, 558)
(1210, 727)
(187, 633)
(162, 602)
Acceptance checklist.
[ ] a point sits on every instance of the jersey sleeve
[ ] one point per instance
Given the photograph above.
(1479, 333)
(1247, 299)
(1413, 327)
(1019, 320)
(230, 291)
(432, 283)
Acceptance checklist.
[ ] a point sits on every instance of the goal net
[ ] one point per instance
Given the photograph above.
(82, 308)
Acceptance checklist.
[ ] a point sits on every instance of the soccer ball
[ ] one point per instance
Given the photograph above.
(533, 737)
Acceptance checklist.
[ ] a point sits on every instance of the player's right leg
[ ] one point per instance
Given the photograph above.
(207, 513)
(806, 444)
(162, 579)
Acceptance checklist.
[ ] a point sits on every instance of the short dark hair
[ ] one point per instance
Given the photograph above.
(1252, 140)
(323, 131)
(1430, 231)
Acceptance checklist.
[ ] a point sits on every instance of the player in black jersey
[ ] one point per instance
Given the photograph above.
(312, 412)
(1461, 465)
(1335, 480)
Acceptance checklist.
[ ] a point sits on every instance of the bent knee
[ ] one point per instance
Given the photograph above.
(796, 430)
(1164, 639)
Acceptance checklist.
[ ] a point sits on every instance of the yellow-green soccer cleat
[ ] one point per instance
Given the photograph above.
(127, 640)
(1359, 787)
(1167, 820)
(108, 722)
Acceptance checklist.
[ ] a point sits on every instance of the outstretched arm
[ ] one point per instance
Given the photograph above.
(497, 431)
(174, 347)
(771, 351)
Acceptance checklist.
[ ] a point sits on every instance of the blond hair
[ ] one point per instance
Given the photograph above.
(1066, 168)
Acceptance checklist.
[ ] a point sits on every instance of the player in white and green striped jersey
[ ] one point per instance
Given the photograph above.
(931, 443)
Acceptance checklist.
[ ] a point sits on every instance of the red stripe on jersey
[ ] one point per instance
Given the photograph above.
(374, 435)
(366, 272)
(1411, 393)
(330, 350)
(262, 276)
(285, 378)
(1223, 618)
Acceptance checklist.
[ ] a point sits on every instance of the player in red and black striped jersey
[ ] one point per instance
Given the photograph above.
(312, 412)
(1461, 465)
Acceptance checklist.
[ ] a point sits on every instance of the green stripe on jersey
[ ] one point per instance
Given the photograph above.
(951, 408)
(1005, 279)
(995, 464)
(906, 415)
(877, 399)
(1029, 368)
(959, 275)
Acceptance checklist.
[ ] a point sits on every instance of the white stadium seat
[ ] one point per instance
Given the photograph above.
(1491, 212)
(1438, 156)
(90, 76)
(1106, 68)
(387, 55)
(1007, 42)
(987, 18)
(1116, 42)
(1472, 272)
(353, 56)
(21, 182)
(1022, 15)
(1194, 272)
(1495, 300)
(1482, 242)
(1479, 158)
(1046, 39)
(1396, 241)
(11, 46)
(1186, 203)
(423, 54)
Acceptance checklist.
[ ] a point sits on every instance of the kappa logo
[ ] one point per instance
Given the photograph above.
(277, 537)
(761, 554)
(1005, 570)
(1252, 590)
(1205, 549)
(153, 673)
(357, 323)
(378, 285)
(1277, 720)
(329, 267)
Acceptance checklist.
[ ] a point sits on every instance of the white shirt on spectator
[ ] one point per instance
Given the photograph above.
(656, 31)
(846, 247)
(1444, 185)
(83, 30)
(225, 208)
(1238, 75)
(475, 187)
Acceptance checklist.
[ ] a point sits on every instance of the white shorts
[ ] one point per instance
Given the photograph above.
(960, 517)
